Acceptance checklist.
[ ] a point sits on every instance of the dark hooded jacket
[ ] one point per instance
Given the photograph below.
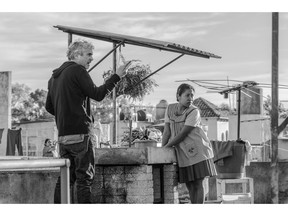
(68, 89)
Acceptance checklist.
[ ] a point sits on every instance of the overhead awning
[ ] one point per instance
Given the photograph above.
(138, 41)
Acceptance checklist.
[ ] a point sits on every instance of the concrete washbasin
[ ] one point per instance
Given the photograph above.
(134, 156)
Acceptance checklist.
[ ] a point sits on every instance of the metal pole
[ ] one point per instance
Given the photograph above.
(239, 114)
(114, 99)
(131, 87)
(114, 48)
(32, 163)
(274, 113)
(69, 38)
(65, 183)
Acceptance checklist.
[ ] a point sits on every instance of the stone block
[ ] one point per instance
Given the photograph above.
(140, 199)
(98, 177)
(140, 184)
(172, 175)
(171, 201)
(170, 182)
(172, 189)
(138, 169)
(113, 170)
(114, 177)
(115, 199)
(139, 191)
(97, 199)
(99, 170)
(113, 191)
(170, 168)
(137, 177)
(97, 187)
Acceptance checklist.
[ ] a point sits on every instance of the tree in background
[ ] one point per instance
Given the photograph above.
(283, 113)
(225, 109)
(27, 105)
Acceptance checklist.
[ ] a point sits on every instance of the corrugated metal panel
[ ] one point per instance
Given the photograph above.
(137, 41)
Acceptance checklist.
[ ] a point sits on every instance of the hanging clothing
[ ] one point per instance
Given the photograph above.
(1, 132)
(14, 138)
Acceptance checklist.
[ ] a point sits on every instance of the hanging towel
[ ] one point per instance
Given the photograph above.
(221, 149)
(14, 138)
(248, 153)
(1, 132)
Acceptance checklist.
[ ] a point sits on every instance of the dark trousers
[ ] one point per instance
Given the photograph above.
(82, 169)
(14, 138)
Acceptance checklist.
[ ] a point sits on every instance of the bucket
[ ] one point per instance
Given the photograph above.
(229, 167)
(145, 143)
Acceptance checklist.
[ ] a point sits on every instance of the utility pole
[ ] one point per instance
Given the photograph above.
(274, 115)
(114, 132)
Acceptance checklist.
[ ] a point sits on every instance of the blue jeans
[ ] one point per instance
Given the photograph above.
(82, 169)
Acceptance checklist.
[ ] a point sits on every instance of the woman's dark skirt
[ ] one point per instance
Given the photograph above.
(197, 171)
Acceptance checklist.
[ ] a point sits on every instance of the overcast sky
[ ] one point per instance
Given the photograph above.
(31, 47)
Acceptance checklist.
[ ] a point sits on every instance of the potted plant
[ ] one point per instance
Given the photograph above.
(132, 87)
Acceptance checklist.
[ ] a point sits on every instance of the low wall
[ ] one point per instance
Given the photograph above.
(23, 186)
(133, 183)
(123, 175)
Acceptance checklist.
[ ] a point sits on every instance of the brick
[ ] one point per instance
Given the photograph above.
(98, 184)
(170, 182)
(140, 199)
(111, 191)
(98, 177)
(171, 195)
(135, 177)
(157, 195)
(139, 191)
(97, 191)
(171, 201)
(170, 189)
(99, 170)
(173, 175)
(140, 184)
(170, 168)
(138, 169)
(115, 199)
(113, 170)
(114, 177)
(97, 199)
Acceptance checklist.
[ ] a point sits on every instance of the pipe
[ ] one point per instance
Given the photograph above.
(64, 165)
(43, 163)
(65, 182)
(239, 114)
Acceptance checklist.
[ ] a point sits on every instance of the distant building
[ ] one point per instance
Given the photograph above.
(160, 109)
(213, 120)
(34, 133)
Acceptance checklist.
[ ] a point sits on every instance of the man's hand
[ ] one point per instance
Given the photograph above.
(121, 70)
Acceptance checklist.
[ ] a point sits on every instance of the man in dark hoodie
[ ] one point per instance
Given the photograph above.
(69, 90)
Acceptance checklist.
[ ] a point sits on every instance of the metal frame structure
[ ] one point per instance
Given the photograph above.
(118, 39)
(8, 163)
(238, 89)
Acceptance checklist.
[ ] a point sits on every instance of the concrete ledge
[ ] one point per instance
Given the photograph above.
(134, 156)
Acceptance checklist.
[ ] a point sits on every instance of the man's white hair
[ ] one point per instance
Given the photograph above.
(77, 47)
